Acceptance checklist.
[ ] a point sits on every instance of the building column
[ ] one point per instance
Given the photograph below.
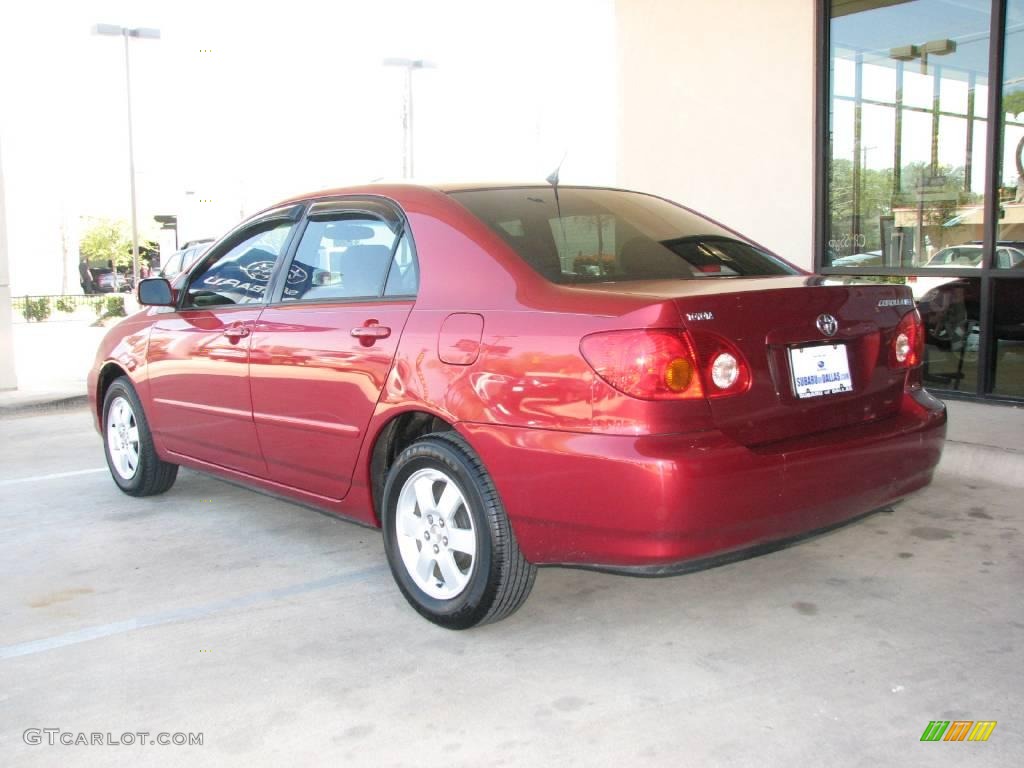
(7, 377)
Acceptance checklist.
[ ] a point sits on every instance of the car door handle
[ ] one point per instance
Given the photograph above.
(371, 332)
(237, 332)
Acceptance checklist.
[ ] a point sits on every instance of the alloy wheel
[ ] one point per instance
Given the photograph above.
(435, 534)
(123, 438)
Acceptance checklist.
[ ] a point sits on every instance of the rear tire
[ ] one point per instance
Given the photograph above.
(128, 444)
(447, 537)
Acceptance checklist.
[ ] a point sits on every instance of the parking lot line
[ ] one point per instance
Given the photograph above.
(182, 614)
(54, 476)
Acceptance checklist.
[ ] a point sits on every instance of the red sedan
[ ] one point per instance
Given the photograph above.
(503, 377)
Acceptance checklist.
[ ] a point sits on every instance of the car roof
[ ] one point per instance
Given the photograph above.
(398, 187)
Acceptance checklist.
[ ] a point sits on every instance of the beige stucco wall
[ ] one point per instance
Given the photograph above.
(717, 112)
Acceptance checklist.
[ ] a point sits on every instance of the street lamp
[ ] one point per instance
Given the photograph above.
(923, 51)
(907, 53)
(143, 33)
(409, 65)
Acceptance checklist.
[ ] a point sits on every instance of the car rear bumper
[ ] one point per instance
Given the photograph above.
(662, 504)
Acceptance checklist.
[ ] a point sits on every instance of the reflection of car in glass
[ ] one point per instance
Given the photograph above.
(866, 259)
(967, 255)
(1009, 255)
(508, 377)
(951, 310)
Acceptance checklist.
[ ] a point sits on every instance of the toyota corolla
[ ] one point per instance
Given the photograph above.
(504, 377)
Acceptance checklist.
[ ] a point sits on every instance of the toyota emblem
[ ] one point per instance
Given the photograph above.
(828, 325)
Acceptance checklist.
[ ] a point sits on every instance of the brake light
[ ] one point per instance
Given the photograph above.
(907, 347)
(667, 364)
(648, 364)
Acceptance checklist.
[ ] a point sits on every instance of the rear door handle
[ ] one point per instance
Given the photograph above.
(367, 333)
(236, 332)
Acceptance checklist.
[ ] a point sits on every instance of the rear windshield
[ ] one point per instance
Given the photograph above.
(604, 235)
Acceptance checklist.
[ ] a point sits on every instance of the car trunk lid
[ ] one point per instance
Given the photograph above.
(773, 321)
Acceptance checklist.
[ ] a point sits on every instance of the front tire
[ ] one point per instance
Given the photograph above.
(128, 444)
(447, 537)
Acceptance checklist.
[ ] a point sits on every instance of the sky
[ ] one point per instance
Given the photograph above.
(242, 104)
(875, 34)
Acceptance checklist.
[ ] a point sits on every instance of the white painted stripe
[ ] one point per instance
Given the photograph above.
(54, 476)
(186, 614)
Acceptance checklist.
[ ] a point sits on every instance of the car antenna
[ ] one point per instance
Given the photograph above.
(552, 179)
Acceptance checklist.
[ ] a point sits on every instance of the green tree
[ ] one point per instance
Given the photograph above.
(107, 240)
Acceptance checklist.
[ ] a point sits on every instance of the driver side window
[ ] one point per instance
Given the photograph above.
(241, 274)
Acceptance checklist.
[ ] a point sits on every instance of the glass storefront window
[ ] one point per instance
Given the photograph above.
(1011, 168)
(951, 313)
(1008, 332)
(907, 125)
(906, 159)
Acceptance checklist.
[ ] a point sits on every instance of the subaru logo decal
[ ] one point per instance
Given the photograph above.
(259, 270)
(828, 325)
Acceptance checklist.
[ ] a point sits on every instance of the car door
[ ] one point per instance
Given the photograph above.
(198, 355)
(323, 347)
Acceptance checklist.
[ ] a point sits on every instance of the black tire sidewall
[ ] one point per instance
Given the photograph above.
(122, 388)
(473, 603)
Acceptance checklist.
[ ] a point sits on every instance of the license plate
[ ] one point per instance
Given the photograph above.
(822, 369)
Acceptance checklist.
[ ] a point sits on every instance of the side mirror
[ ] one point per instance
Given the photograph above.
(156, 292)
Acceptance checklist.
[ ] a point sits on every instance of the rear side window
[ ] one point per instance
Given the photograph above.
(603, 235)
(344, 258)
(404, 276)
(173, 265)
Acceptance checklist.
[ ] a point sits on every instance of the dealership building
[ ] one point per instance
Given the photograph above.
(876, 139)
(881, 139)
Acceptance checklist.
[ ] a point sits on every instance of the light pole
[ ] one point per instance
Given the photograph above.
(8, 380)
(907, 53)
(127, 33)
(407, 150)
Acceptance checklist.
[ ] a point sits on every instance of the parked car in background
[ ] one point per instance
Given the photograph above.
(181, 261)
(503, 377)
(108, 280)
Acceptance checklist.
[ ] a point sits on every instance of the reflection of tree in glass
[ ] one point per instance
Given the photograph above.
(875, 201)
(942, 189)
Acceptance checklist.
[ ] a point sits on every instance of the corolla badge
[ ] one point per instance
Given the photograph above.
(827, 324)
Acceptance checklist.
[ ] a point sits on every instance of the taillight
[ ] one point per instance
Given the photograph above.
(667, 364)
(649, 364)
(907, 347)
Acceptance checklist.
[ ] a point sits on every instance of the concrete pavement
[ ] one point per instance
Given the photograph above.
(985, 442)
(278, 634)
